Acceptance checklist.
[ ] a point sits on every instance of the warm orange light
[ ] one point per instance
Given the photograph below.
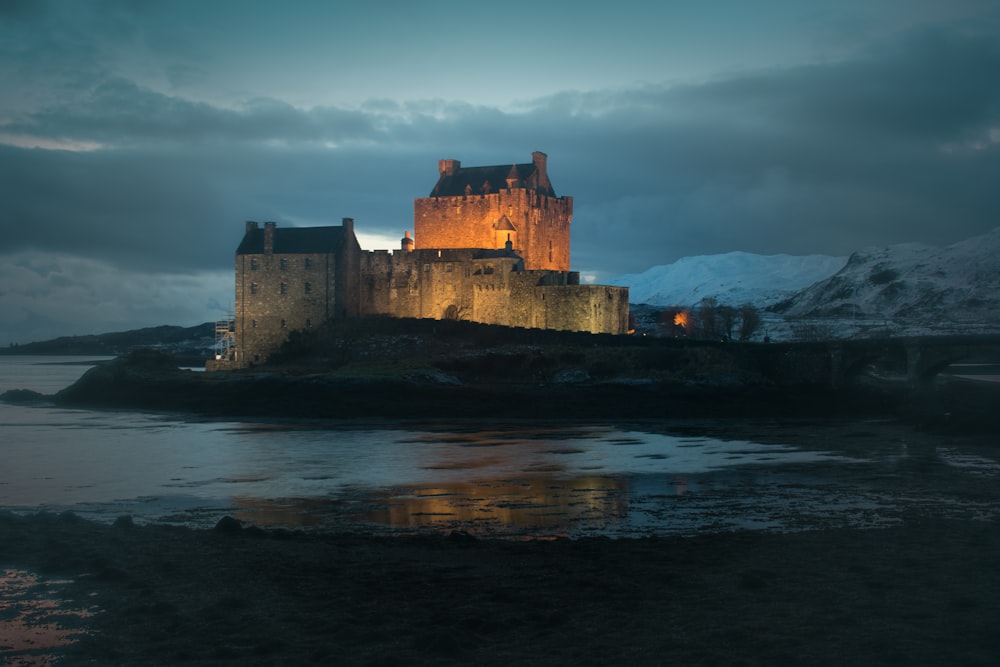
(681, 319)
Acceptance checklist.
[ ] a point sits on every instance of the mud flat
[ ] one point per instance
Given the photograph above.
(921, 593)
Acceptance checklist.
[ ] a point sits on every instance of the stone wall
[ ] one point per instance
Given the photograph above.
(276, 294)
(540, 225)
(457, 284)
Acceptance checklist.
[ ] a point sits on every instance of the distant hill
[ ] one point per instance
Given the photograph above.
(732, 279)
(904, 289)
(188, 342)
(923, 288)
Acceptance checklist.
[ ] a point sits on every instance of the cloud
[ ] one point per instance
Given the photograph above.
(898, 144)
(59, 294)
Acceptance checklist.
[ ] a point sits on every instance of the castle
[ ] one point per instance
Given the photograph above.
(490, 244)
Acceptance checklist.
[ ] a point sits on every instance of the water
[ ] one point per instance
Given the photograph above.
(504, 479)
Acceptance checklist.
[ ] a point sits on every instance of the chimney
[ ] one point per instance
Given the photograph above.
(540, 159)
(348, 224)
(448, 167)
(251, 226)
(407, 242)
(269, 237)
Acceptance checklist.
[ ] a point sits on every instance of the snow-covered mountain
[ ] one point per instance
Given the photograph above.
(901, 289)
(917, 287)
(732, 278)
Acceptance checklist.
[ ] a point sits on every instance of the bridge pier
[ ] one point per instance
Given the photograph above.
(914, 366)
(837, 367)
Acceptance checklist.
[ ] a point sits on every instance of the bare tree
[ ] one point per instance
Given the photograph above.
(705, 317)
(749, 321)
(726, 319)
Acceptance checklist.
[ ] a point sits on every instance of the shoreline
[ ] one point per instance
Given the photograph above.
(152, 381)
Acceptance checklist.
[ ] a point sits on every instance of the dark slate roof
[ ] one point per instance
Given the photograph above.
(291, 240)
(495, 254)
(474, 177)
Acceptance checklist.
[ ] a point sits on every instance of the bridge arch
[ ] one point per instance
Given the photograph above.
(921, 357)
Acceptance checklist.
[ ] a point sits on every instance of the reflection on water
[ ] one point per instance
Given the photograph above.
(551, 505)
(34, 619)
(501, 507)
(513, 479)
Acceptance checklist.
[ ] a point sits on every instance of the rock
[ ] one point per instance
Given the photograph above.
(124, 522)
(571, 376)
(23, 396)
(229, 526)
(462, 537)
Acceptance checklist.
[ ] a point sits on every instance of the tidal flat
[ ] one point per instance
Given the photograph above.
(920, 593)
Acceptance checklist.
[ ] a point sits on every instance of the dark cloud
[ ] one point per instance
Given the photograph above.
(902, 144)
(119, 112)
(19, 9)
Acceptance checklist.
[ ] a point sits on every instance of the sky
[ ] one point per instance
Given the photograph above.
(138, 136)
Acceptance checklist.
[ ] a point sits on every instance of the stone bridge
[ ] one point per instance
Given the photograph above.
(923, 357)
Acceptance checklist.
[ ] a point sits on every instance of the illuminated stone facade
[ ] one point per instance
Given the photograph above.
(497, 258)
(485, 207)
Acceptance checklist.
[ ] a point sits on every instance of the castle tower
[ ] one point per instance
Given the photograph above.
(489, 207)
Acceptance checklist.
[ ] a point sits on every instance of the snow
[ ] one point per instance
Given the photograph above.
(732, 278)
(903, 289)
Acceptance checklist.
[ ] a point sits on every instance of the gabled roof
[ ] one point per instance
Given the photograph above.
(504, 224)
(292, 240)
(474, 178)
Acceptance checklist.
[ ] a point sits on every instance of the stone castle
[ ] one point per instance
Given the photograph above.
(490, 244)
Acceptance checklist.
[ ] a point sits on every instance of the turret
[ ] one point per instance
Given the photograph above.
(513, 179)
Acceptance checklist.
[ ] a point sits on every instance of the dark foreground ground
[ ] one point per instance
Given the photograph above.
(923, 593)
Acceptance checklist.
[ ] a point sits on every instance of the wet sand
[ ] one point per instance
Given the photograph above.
(926, 592)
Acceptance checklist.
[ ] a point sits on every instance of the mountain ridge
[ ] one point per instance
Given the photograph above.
(906, 288)
(731, 278)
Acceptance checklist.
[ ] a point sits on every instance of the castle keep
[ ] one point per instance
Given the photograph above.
(485, 207)
(490, 244)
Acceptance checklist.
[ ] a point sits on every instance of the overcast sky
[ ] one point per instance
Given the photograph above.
(136, 137)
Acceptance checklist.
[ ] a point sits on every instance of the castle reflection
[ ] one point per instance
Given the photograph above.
(500, 506)
(540, 504)
(535, 480)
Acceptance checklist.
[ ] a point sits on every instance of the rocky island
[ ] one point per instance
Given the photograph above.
(386, 368)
